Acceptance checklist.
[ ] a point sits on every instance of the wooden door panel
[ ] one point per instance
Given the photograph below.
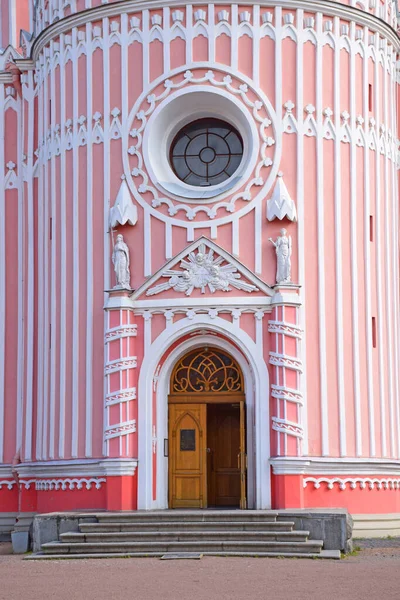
(187, 466)
(224, 442)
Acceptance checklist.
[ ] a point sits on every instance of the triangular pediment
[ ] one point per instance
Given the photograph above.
(206, 268)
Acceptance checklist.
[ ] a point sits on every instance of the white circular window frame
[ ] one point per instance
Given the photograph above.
(184, 107)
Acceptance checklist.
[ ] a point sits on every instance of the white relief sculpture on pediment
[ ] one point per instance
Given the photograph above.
(201, 270)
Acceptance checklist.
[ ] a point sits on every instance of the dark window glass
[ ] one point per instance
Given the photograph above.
(206, 152)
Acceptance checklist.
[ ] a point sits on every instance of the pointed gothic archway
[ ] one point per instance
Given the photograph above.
(206, 431)
(159, 362)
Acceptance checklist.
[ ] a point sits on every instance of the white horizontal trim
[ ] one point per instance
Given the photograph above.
(284, 360)
(6, 471)
(285, 328)
(126, 395)
(284, 393)
(119, 364)
(334, 466)
(115, 302)
(286, 298)
(79, 468)
(122, 331)
(335, 9)
(120, 429)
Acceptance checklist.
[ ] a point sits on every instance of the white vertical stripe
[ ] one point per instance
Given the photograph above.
(168, 240)
(21, 322)
(321, 248)
(106, 188)
(75, 255)
(2, 272)
(353, 248)
(147, 330)
(166, 39)
(145, 47)
(53, 309)
(256, 45)
(367, 252)
(189, 43)
(29, 233)
(234, 37)
(63, 269)
(235, 237)
(40, 304)
(147, 244)
(278, 62)
(43, 131)
(338, 247)
(379, 257)
(388, 260)
(258, 223)
(211, 33)
(12, 23)
(89, 244)
(45, 245)
(300, 224)
(394, 238)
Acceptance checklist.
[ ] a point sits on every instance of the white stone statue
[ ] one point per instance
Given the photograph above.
(283, 249)
(120, 258)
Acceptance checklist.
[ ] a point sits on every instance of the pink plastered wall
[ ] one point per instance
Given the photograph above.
(330, 258)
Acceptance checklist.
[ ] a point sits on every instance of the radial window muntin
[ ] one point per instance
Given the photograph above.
(206, 152)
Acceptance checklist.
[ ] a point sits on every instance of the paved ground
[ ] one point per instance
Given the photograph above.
(373, 573)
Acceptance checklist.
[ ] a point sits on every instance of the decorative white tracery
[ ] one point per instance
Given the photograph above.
(138, 178)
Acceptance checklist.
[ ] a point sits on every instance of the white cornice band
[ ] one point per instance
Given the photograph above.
(79, 468)
(326, 7)
(334, 466)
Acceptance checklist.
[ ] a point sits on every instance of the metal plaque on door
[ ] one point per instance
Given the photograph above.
(188, 440)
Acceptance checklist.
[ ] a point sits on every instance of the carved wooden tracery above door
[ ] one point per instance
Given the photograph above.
(207, 371)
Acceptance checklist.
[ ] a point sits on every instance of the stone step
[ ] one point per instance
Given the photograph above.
(220, 546)
(173, 516)
(276, 526)
(183, 536)
(323, 554)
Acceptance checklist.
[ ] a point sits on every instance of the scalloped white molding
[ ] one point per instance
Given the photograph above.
(47, 485)
(9, 484)
(353, 483)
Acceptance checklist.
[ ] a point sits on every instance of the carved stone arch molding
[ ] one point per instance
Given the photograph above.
(162, 356)
(147, 138)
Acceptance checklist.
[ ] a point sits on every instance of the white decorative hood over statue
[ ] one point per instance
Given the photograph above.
(124, 212)
(281, 204)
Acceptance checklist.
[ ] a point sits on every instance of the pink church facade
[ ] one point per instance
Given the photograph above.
(96, 99)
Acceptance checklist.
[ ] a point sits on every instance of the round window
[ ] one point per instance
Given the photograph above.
(206, 152)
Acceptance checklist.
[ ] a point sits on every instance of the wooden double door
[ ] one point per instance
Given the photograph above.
(207, 453)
